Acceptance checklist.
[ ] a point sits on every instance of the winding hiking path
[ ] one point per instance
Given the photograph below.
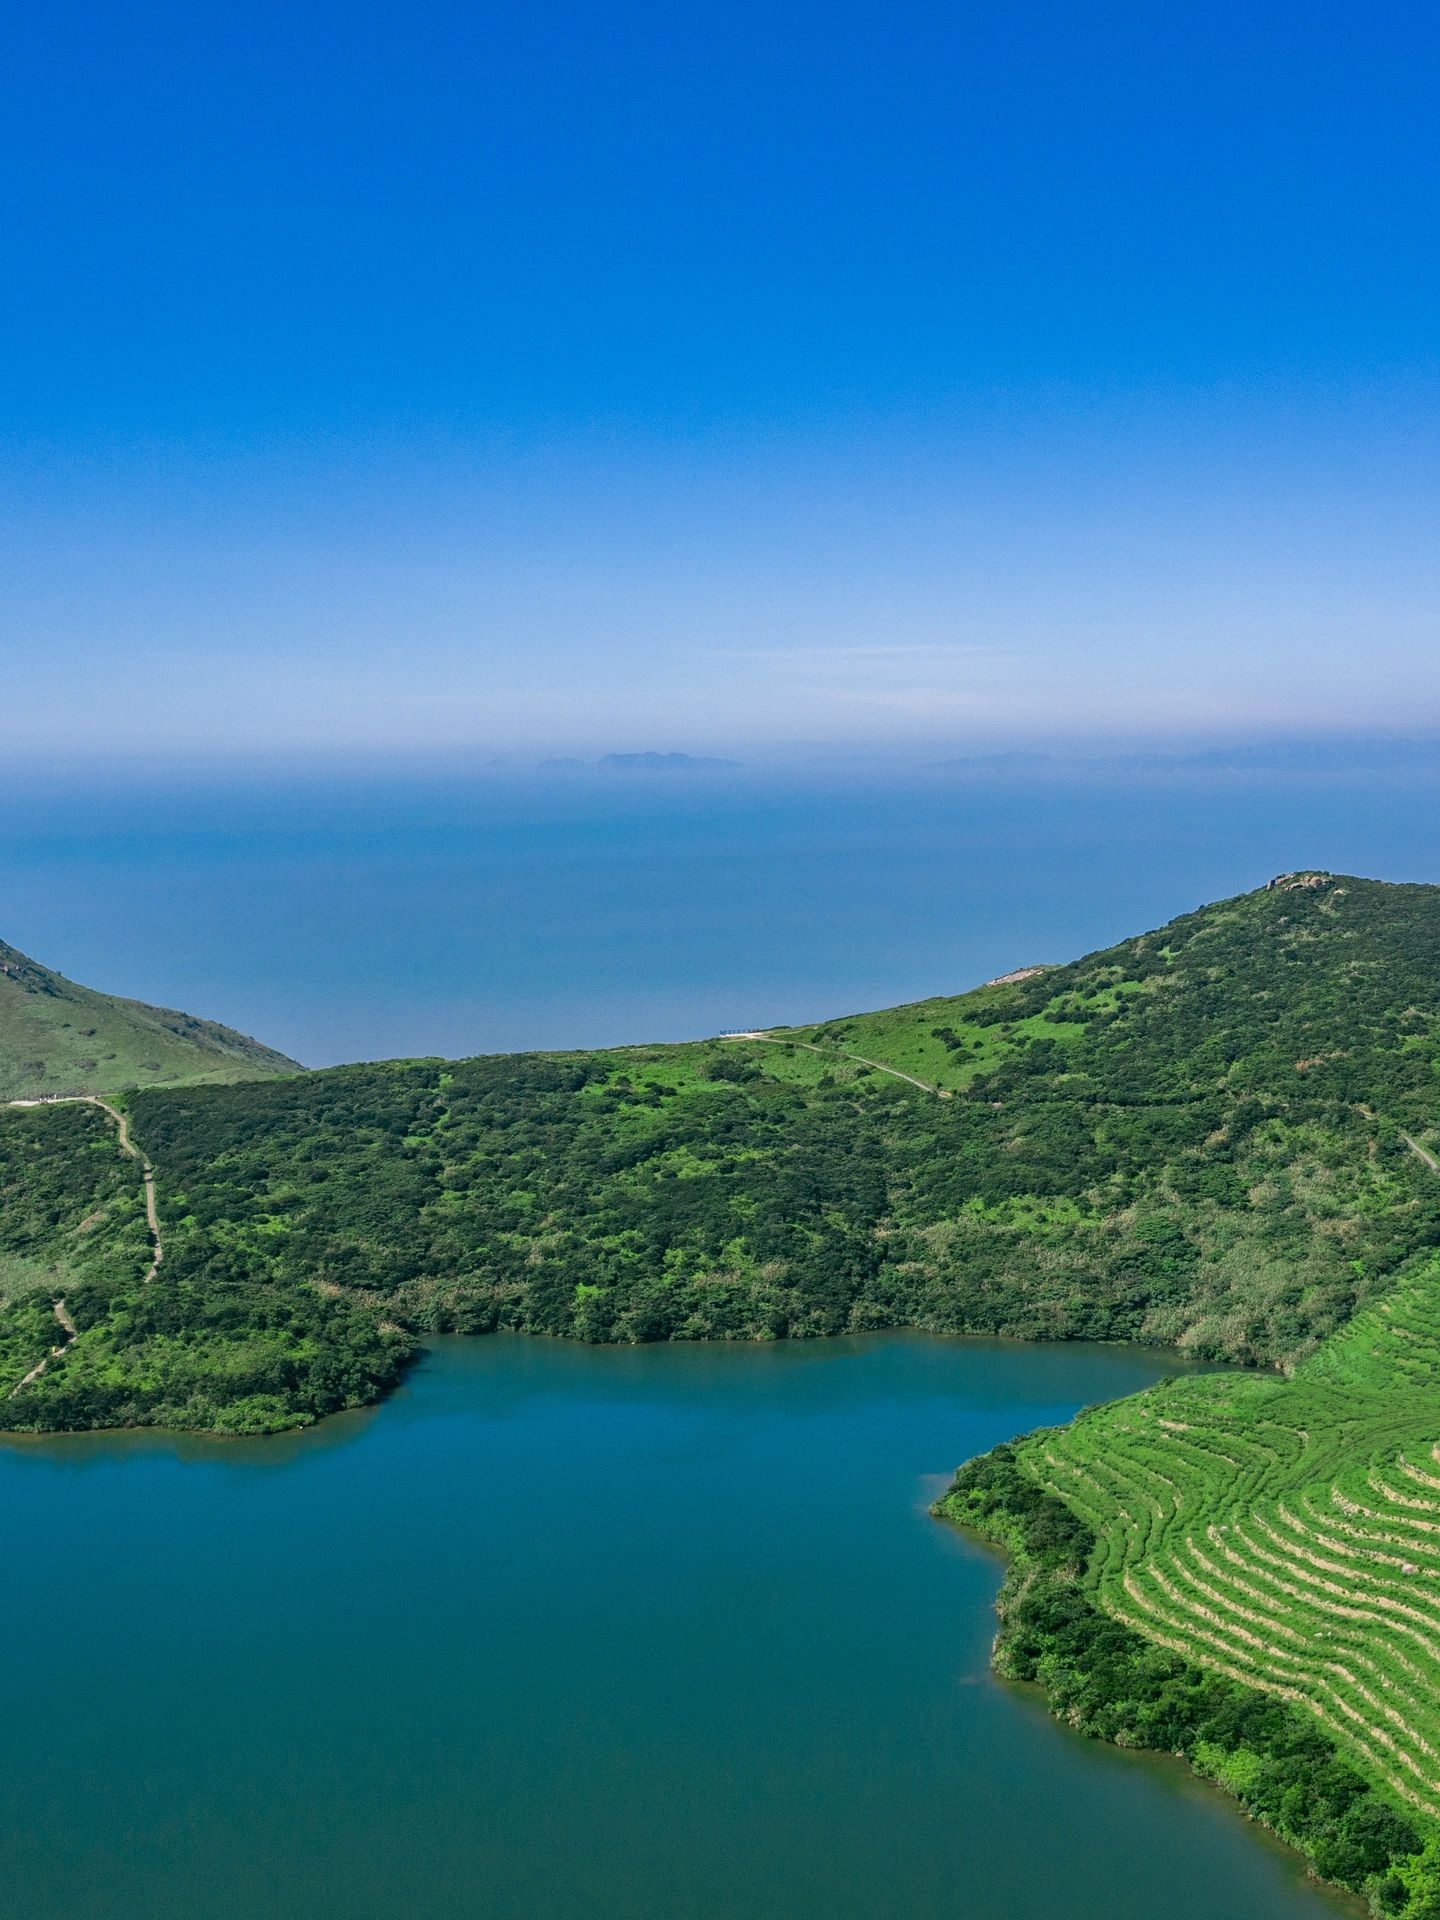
(1421, 1154)
(781, 1040)
(152, 1214)
(68, 1328)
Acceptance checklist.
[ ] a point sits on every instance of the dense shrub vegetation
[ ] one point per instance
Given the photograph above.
(188, 1350)
(1192, 1137)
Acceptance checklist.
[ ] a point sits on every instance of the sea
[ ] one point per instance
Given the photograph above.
(348, 915)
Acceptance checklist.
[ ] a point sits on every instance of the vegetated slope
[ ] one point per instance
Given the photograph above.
(1262, 1744)
(57, 1037)
(1287, 1532)
(180, 1350)
(72, 1211)
(1195, 1136)
(1257, 1537)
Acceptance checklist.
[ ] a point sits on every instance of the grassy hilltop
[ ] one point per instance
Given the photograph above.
(57, 1037)
(1220, 1134)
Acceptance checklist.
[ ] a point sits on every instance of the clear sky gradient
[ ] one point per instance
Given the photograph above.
(568, 379)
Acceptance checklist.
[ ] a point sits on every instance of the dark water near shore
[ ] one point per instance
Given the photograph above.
(561, 1632)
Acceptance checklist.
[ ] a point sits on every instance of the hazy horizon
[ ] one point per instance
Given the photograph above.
(39, 770)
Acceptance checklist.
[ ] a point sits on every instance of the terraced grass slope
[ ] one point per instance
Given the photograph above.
(57, 1037)
(1286, 1533)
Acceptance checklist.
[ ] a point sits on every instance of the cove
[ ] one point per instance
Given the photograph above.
(563, 1631)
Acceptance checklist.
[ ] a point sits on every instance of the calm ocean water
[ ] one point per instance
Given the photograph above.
(348, 918)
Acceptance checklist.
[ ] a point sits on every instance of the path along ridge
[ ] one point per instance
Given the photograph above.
(896, 1073)
(1421, 1153)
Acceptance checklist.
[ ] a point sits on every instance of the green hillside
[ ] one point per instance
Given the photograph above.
(1246, 1571)
(1197, 1136)
(1221, 1135)
(56, 1037)
(1287, 1532)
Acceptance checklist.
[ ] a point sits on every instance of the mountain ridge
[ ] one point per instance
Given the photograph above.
(58, 1037)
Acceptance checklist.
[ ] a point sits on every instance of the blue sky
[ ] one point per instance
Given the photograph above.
(531, 379)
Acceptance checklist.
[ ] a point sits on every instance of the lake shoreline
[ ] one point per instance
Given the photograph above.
(423, 1345)
(640, 1627)
(1044, 1640)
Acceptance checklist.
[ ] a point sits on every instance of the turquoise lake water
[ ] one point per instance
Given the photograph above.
(561, 1632)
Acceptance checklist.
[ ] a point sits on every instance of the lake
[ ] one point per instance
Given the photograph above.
(560, 1632)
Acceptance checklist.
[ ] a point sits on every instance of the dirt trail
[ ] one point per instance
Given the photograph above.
(152, 1213)
(127, 1146)
(1420, 1153)
(779, 1040)
(68, 1328)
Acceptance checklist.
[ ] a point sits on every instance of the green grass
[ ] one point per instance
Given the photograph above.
(57, 1037)
(1287, 1532)
(940, 1041)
